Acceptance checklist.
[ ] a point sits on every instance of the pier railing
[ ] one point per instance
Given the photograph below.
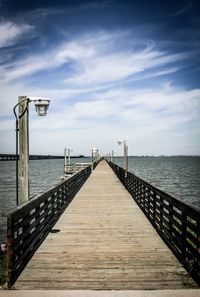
(29, 224)
(177, 222)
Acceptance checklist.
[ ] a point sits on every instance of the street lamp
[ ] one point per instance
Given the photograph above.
(125, 153)
(22, 141)
(41, 106)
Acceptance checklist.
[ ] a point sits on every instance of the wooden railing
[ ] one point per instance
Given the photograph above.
(177, 222)
(30, 223)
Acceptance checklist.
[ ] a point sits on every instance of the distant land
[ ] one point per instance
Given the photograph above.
(12, 157)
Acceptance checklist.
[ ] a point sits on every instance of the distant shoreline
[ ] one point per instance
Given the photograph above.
(12, 157)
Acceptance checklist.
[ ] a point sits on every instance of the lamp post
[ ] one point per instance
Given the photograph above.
(67, 156)
(69, 151)
(125, 153)
(22, 142)
(94, 151)
(112, 155)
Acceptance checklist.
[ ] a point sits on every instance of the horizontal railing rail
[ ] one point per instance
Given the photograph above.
(177, 222)
(29, 224)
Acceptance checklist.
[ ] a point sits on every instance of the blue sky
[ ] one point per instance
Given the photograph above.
(112, 69)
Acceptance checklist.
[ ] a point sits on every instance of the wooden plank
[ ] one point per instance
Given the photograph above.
(105, 242)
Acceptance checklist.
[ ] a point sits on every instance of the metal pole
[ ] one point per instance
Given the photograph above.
(23, 150)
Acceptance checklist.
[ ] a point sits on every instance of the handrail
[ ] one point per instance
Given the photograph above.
(177, 222)
(29, 224)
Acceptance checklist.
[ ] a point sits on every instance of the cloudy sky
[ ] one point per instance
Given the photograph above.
(112, 69)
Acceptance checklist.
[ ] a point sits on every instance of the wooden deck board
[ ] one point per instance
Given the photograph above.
(105, 242)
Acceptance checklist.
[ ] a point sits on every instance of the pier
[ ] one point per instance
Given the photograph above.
(102, 239)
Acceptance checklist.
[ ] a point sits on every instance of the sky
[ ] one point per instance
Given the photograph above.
(112, 69)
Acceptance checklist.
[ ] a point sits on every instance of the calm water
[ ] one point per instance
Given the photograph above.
(177, 175)
(43, 175)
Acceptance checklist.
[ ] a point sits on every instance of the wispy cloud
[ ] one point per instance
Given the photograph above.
(10, 32)
(94, 60)
(133, 107)
(141, 116)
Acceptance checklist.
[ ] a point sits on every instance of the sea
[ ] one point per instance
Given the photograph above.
(177, 175)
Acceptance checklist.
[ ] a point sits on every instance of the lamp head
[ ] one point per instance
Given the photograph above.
(41, 106)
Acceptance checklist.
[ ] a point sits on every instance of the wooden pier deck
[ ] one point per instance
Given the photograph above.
(104, 243)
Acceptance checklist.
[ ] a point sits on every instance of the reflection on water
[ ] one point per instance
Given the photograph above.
(177, 175)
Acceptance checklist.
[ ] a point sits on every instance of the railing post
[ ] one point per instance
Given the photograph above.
(9, 254)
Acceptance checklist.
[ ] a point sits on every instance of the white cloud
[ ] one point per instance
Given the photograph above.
(93, 107)
(105, 67)
(145, 109)
(49, 60)
(94, 59)
(151, 120)
(10, 32)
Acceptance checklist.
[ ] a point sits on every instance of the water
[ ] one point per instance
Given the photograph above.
(44, 174)
(179, 176)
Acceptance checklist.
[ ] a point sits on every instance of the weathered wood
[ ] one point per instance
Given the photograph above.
(105, 242)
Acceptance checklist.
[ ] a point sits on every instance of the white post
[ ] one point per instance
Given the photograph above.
(125, 156)
(112, 155)
(65, 159)
(65, 155)
(93, 155)
(97, 155)
(23, 150)
(68, 156)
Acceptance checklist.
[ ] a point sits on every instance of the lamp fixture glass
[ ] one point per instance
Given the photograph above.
(41, 106)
